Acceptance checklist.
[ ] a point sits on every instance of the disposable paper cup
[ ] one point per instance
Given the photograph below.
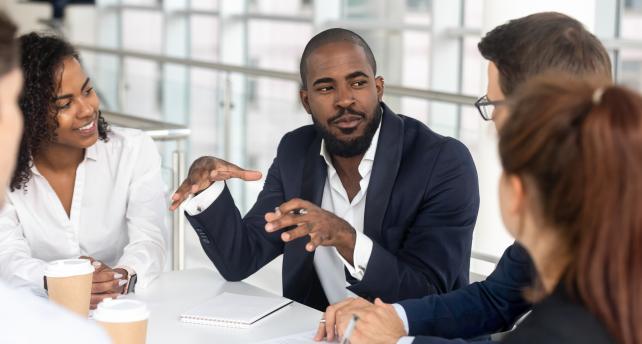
(124, 320)
(69, 284)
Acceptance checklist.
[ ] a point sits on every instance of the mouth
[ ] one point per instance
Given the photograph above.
(348, 121)
(88, 129)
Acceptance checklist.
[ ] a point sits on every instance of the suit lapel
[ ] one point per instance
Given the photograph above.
(299, 272)
(384, 172)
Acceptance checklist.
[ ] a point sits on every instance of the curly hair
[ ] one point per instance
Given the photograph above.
(41, 58)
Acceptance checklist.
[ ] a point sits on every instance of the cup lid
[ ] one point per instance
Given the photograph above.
(68, 267)
(120, 311)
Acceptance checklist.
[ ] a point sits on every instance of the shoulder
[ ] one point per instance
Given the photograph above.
(298, 141)
(420, 139)
(127, 136)
(127, 141)
(558, 319)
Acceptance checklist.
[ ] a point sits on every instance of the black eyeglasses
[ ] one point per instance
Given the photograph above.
(486, 107)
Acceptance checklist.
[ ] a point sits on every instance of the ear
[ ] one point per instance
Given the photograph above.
(303, 95)
(512, 203)
(379, 85)
(519, 195)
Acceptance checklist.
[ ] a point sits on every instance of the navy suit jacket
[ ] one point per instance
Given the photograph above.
(421, 207)
(481, 308)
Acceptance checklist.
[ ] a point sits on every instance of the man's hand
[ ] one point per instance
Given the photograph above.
(106, 282)
(339, 313)
(378, 323)
(323, 227)
(204, 172)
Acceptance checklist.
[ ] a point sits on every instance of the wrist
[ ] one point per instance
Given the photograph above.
(346, 243)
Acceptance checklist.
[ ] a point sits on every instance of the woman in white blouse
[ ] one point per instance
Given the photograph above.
(80, 188)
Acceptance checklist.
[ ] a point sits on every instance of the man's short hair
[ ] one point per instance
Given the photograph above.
(8, 44)
(333, 35)
(547, 41)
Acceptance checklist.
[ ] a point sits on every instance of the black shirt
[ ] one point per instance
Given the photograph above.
(560, 319)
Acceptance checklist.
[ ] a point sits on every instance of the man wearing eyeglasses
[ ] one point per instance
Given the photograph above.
(517, 51)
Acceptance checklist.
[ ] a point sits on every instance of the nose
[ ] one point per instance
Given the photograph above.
(344, 97)
(85, 109)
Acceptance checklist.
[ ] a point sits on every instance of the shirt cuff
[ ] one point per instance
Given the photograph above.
(405, 340)
(361, 256)
(401, 313)
(195, 205)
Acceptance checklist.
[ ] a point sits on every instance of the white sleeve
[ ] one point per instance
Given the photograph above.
(17, 266)
(361, 256)
(146, 214)
(196, 204)
(401, 313)
(26, 318)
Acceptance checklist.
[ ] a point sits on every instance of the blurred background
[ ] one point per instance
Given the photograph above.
(220, 77)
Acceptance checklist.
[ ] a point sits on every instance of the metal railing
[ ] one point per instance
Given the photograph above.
(163, 131)
(397, 90)
(167, 131)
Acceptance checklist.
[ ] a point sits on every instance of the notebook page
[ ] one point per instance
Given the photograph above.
(233, 308)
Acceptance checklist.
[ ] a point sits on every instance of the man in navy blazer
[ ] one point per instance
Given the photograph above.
(364, 201)
(516, 51)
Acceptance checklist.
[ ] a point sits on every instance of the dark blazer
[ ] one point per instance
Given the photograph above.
(560, 319)
(421, 207)
(482, 308)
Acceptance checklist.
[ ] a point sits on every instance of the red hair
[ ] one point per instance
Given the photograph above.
(581, 147)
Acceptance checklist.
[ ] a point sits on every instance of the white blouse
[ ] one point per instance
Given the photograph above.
(117, 214)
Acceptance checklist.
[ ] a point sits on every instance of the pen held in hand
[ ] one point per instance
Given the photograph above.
(349, 329)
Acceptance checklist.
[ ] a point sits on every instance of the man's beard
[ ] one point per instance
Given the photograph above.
(353, 147)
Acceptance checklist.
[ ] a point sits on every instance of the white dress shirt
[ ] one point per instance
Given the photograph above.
(117, 214)
(329, 264)
(27, 319)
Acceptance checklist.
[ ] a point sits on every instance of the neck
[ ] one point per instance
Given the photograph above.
(347, 166)
(58, 158)
(549, 256)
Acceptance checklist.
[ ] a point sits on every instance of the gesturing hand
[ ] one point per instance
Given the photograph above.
(323, 227)
(204, 172)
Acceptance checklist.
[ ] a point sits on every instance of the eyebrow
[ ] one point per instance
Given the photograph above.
(348, 77)
(322, 81)
(356, 74)
(66, 96)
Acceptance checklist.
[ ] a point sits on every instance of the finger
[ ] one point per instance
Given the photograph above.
(181, 194)
(378, 302)
(106, 276)
(315, 241)
(299, 231)
(99, 267)
(320, 332)
(227, 173)
(109, 286)
(295, 204)
(330, 318)
(285, 221)
(90, 259)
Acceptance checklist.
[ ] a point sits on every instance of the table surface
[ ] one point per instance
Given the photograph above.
(175, 292)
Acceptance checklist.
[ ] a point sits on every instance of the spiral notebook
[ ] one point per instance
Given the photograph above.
(234, 310)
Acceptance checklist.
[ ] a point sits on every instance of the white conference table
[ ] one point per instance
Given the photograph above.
(175, 292)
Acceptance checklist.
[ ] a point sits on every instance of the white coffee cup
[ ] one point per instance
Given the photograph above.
(125, 320)
(69, 284)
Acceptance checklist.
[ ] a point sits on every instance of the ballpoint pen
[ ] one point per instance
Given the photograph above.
(349, 329)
